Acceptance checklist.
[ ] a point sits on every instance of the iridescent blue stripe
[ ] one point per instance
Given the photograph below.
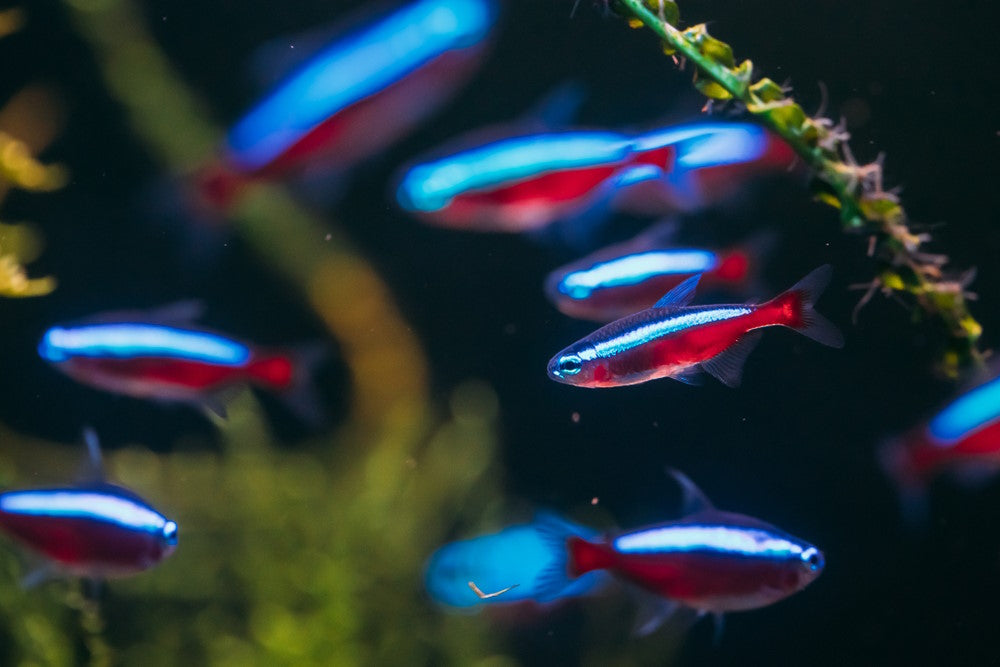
(91, 505)
(649, 331)
(967, 413)
(718, 539)
(431, 186)
(708, 144)
(634, 269)
(355, 68)
(140, 340)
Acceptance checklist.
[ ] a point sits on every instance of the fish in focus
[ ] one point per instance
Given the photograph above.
(676, 340)
(516, 556)
(524, 183)
(627, 277)
(962, 440)
(161, 355)
(357, 94)
(709, 561)
(95, 529)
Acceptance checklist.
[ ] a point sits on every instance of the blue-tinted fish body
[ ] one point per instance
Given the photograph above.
(516, 556)
(161, 355)
(526, 182)
(628, 277)
(362, 91)
(98, 532)
(710, 561)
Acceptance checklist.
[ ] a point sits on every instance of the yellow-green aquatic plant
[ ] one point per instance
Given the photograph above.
(856, 190)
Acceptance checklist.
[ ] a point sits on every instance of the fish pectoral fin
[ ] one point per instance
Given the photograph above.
(680, 295)
(214, 407)
(727, 366)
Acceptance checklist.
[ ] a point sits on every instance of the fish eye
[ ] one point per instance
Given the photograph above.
(812, 558)
(170, 533)
(570, 364)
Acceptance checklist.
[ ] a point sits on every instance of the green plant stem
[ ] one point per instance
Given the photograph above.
(856, 190)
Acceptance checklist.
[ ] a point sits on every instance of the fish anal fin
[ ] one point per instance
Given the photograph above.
(727, 366)
(680, 295)
(692, 376)
(693, 499)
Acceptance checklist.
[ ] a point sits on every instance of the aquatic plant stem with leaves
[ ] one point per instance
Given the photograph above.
(856, 190)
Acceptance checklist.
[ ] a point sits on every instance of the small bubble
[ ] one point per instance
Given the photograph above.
(328, 237)
(575, 417)
(594, 500)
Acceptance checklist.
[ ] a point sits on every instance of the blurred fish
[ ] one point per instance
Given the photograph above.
(95, 529)
(512, 559)
(524, 183)
(628, 277)
(358, 94)
(962, 440)
(673, 339)
(709, 561)
(161, 355)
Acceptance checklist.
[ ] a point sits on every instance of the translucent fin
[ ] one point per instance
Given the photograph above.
(556, 532)
(651, 616)
(558, 108)
(814, 325)
(727, 366)
(301, 397)
(680, 295)
(693, 376)
(178, 313)
(38, 575)
(720, 622)
(655, 613)
(693, 499)
(214, 407)
(93, 467)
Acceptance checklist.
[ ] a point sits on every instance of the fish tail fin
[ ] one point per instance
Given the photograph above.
(910, 488)
(796, 308)
(741, 265)
(566, 545)
(290, 375)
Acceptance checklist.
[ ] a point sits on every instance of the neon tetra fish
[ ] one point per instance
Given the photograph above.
(709, 561)
(510, 561)
(358, 94)
(673, 339)
(95, 530)
(523, 183)
(962, 439)
(631, 276)
(161, 355)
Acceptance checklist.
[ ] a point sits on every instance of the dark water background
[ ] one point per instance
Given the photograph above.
(793, 446)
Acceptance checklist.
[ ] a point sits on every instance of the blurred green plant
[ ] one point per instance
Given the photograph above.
(309, 555)
(856, 190)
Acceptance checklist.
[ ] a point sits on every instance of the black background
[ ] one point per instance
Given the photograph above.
(793, 446)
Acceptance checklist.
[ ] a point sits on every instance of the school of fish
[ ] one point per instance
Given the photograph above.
(348, 98)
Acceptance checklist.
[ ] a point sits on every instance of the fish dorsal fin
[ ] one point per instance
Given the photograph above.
(93, 467)
(680, 295)
(694, 499)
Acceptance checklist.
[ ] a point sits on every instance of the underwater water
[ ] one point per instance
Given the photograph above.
(303, 539)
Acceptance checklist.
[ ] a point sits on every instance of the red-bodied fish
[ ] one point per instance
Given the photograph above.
(709, 561)
(627, 277)
(673, 339)
(95, 529)
(162, 355)
(963, 439)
